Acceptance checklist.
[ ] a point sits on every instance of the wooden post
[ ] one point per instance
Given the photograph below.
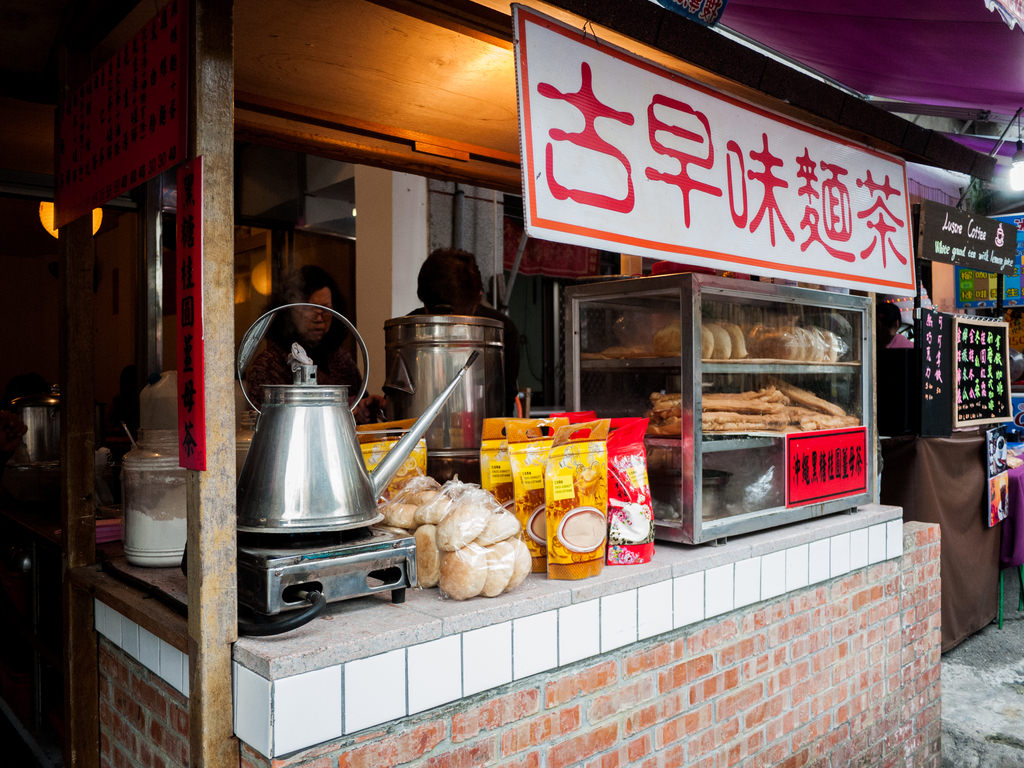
(212, 586)
(78, 513)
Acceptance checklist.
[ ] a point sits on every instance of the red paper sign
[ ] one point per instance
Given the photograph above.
(189, 280)
(127, 122)
(826, 465)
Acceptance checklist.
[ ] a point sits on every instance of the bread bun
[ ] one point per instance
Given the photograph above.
(501, 561)
(433, 511)
(465, 522)
(400, 515)
(738, 342)
(707, 338)
(668, 341)
(500, 526)
(463, 572)
(428, 557)
(723, 345)
(522, 565)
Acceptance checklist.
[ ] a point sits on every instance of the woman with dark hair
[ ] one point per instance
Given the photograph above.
(317, 333)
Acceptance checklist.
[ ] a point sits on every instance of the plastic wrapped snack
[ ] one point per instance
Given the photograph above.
(463, 572)
(467, 519)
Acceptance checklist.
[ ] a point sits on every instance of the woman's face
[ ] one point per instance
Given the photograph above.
(313, 324)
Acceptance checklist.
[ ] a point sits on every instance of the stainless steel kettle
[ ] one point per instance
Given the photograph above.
(304, 471)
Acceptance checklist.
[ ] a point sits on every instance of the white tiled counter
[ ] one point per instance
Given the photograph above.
(366, 661)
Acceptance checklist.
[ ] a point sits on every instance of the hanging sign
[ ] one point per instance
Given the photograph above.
(998, 475)
(189, 280)
(829, 464)
(127, 122)
(976, 242)
(621, 154)
(982, 384)
(934, 337)
(979, 289)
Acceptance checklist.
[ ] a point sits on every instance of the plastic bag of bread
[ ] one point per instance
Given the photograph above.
(488, 571)
(467, 518)
(434, 510)
(400, 510)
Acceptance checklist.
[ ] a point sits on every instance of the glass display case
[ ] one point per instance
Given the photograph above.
(729, 372)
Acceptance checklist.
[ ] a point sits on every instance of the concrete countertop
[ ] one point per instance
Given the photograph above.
(366, 626)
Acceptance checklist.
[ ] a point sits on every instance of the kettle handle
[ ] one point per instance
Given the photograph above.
(252, 338)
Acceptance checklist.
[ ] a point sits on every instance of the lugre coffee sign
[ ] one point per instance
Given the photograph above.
(965, 239)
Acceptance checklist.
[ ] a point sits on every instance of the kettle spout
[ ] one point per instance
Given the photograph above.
(382, 474)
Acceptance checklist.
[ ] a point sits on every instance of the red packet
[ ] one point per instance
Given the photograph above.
(630, 512)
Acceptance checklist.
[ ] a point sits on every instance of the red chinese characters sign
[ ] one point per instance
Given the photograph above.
(189, 278)
(127, 122)
(829, 464)
(621, 154)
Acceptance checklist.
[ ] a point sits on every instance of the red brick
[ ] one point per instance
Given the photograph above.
(602, 675)
(743, 699)
(540, 730)
(685, 672)
(529, 760)
(585, 745)
(395, 750)
(622, 698)
(470, 756)
(714, 686)
(495, 713)
(639, 747)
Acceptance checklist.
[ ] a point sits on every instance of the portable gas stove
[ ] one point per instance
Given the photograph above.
(276, 570)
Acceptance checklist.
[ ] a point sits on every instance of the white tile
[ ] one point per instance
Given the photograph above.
(487, 658)
(858, 549)
(108, 623)
(773, 574)
(618, 620)
(688, 599)
(894, 538)
(252, 708)
(130, 637)
(839, 554)
(307, 709)
(718, 590)
(185, 681)
(374, 690)
(171, 665)
(149, 650)
(534, 644)
(579, 631)
(876, 543)
(797, 567)
(748, 581)
(654, 609)
(435, 673)
(818, 568)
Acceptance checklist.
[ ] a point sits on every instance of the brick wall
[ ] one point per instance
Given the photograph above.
(846, 673)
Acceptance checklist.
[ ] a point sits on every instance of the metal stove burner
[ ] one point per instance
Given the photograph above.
(274, 568)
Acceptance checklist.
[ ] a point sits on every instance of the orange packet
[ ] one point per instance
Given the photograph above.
(576, 497)
(376, 440)
(529, 441)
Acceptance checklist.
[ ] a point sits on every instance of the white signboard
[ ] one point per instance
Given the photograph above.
(621, 154)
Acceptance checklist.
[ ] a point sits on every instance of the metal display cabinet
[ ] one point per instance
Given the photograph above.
(796, 360)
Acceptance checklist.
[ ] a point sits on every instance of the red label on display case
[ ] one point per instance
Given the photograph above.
(826, 465)
(127, 122)
(189, 281)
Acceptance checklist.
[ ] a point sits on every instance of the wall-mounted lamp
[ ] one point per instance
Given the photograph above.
(1017, 169)
(46, 218)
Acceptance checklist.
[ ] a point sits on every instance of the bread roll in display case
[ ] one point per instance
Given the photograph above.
(726, 369)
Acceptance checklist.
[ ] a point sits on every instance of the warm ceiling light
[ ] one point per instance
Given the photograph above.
(261, 277)
(46, 218)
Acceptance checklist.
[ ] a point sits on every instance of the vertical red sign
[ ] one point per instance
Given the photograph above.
(825, 465)
(189, 280)
(127, 122)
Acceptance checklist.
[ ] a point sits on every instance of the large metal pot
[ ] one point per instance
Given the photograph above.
(423, 352)
(41, 415)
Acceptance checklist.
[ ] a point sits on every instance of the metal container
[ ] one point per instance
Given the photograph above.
(41, 415)
(423, 353)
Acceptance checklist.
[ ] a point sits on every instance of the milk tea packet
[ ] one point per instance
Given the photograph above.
(495, 467)
(576, 495)
(630, 510)
(529, 441)
(376, 440)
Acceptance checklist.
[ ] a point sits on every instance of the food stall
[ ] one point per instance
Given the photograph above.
(675, 655)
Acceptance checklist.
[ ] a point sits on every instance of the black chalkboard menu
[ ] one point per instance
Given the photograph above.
(934, 338)
(982, 384)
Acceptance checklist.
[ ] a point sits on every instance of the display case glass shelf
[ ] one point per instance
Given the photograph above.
(725, 370)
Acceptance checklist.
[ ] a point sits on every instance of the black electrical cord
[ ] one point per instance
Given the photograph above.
(262, 627)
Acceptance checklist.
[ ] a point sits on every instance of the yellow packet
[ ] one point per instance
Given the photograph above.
(576, 497)
(376, 440)
(529, 441)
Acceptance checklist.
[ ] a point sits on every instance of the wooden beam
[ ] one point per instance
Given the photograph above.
(211, 551)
